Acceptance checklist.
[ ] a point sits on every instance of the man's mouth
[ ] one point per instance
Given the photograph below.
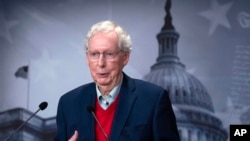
(103, 74)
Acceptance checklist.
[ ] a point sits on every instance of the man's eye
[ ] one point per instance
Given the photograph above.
(109, 54)
(94, 54)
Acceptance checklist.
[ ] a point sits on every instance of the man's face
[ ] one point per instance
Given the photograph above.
(105, 59)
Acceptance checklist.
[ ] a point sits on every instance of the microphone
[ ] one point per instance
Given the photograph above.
(90, 109)
(42, 106)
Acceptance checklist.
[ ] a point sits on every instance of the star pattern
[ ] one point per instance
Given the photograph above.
(44, 67)
(217, 15)
(5, 27)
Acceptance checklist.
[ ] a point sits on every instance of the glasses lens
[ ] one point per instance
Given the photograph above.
(106, 55)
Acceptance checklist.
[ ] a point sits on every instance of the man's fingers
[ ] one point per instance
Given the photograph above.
(74, 137)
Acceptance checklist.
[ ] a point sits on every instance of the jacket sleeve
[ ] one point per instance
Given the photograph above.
(61, 129)
(164, 121)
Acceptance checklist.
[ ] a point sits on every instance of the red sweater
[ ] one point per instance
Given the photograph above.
(105, 118)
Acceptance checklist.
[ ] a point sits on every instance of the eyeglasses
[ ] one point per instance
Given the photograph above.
(107, 55)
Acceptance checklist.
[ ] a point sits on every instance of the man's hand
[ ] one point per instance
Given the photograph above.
(74, 137)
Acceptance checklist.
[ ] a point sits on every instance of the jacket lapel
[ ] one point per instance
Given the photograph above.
(125, 103)
(87, 120)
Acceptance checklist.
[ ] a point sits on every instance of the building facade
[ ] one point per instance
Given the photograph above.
(36, 129)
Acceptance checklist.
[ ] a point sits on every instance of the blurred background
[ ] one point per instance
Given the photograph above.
(42, 55)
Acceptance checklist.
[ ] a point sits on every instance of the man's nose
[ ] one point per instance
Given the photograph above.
(101, 60)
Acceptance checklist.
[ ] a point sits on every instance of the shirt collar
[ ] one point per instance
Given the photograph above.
(114, 92)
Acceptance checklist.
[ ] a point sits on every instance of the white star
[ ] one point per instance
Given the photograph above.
(44, 68)
(5, 27)
(217, 15)
(37, 15)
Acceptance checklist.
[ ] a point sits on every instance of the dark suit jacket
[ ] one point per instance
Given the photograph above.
(143, 113)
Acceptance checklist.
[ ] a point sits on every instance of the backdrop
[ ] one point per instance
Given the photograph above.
(42, 56)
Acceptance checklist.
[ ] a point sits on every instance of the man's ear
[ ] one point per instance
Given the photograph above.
(126, 56)
(87, 59)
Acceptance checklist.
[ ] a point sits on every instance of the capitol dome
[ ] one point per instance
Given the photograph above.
(184, 88)
(191, 101)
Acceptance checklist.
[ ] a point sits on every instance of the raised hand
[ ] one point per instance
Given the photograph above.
(74, 137)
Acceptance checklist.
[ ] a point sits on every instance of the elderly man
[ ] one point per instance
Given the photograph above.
(114, 107)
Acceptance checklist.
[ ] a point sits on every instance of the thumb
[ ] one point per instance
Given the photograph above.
(74, 137)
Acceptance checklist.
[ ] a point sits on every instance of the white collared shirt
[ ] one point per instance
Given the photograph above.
(106, 101)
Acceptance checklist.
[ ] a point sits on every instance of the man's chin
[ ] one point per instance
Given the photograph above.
(102, 83)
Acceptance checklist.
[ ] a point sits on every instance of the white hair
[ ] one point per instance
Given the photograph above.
(124, 42)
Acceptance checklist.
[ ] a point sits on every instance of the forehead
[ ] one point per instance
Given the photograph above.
(104, 40)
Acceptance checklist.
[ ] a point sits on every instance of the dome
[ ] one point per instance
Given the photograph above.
(169, 73)
(183, 87)
(192, 105)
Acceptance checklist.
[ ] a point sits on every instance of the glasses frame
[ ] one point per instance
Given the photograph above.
(107, 55)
